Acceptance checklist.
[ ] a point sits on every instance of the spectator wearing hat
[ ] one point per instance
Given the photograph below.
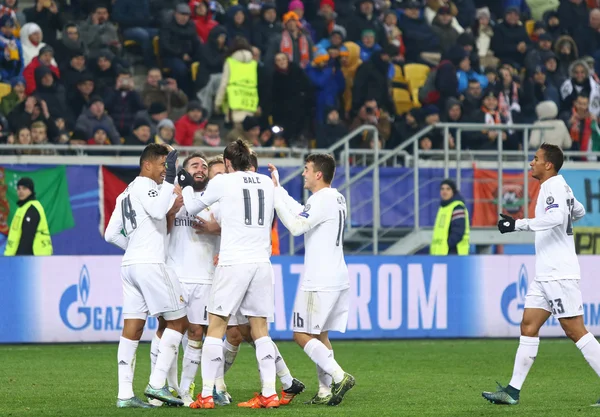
(97, 32)
(99, 137)
(46, 15)
(364, 18)
(442, 27)
(430, 115)
(453, 113)
(124, 103)
(297, 7)
(290, 97)
(202, 16)
(422, 44)
(79, 98)
(15, 97)
(533, 59)
(136, 24)
(11, 61)
(266, 27)
(46, 59)
(180, 47)
(566, 52)
(140, 134)
(189, 123)
(95, 114)
(553, 75)
(69, 41)
(432, 9)
(31, 42)
(572, 14)
(238, 24)
(336, 38)
(451, 228)
(328, 80)
(510, 41)
(325, 20)
(553, 26)
(53, 93)
(368, 45)
(105, 69)
(156, 113)
(29, 233)
(483, 33)
(539, 27)
(579, 83)
(465, 72)
(331, 129)
(292, 42)
(157, 90)
(404, 127)
(165, 132)
(350, 60)
(71, 70)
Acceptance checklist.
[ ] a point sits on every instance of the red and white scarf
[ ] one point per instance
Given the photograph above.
(287, 47)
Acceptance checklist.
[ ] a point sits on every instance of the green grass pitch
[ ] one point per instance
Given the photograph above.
(393, 378)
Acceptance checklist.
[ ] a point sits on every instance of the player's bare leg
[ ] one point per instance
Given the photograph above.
(128, 344)
(172, 374)
(212, 359)
(533, 320)
(191, 361)
(321, 353)
(177, 324)
(575, 330)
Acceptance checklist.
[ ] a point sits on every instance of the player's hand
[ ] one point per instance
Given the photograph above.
(274, 174)
(176, 206)
(210, 227)
(184, 178)
(216, 260)
(177, 189)
(506, 224)
(171, 166)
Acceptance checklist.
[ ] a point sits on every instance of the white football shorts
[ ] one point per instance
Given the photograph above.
(321, 311)
(153, 289)
(246, 289)
(562, 297)
(197, 296)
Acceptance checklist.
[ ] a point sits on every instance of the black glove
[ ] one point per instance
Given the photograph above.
(171, 165)
(184, 178)
(506, 224)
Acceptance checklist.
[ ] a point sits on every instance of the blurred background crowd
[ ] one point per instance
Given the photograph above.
(300, 73)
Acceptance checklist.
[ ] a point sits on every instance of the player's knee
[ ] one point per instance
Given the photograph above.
(195, 332)
(234, 336)
(302, 338)
(246, 334)
(529, 329)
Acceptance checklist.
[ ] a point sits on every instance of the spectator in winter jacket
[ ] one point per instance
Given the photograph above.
(155, 114)
(30, 111)
(446, 79)
(45, 58)
(124, 103)
(165, 132)
(394, 35)
(331, 130)
(297, 7)
(566, 52)
(367, 45)
(364, 19)
(533, 59)
(238, 24)
(328, 80)
(510, 41)
(15, 97)
(418, 36)
(46, 15)
(31, 41)
(489, 115)
(432, 8)
(579, 83)
(292, 42)
(80, 98)
(202, 17)
(71, 70)
(157, 90)
(266, 27)
(140, 134)
(465, 73)
(11, 61)
(538, 88)
(370, 114)
(97, 32)
(335, 38)
(70, 41)
(54, 94)
(558, 134)
(136, 24)
(180, 47)
(573, 13)
(105, 70)
(187, 126)
(442, 27)
(587, 37)
(453, 113)
(457, 241)
(553, 26)
(372, 82)
(325, 20)
(350, 59)
(93, 115)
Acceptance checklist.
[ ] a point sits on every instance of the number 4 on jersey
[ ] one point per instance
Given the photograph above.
(570, 205)
(128, 213)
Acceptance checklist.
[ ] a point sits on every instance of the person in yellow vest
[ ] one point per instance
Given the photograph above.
(239, 83)
(29, 233)
(451, 229)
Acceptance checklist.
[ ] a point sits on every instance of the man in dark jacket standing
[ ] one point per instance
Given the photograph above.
(510, 40)
(180, 47)
(266, 28)
(418, 36)
(365, 19)
(136, 24)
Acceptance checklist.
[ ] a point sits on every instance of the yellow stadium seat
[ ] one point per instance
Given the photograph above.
(529, 26)
(156, 47)
(129, 43)
(416, 74)
(415, 95)
(402, 100)
(195, 67)
(5, 89)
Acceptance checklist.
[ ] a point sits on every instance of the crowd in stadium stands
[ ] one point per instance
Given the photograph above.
(313, 69)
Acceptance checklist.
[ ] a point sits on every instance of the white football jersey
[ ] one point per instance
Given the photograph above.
(246, 209)
(322, 220)
(555, 211)
(141, 213)
(189, 254)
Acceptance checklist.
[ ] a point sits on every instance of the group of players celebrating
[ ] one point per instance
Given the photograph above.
(197, 255)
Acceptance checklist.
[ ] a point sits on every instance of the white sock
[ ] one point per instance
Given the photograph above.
(265, 355)
(167, 352)
(282, 370)
(184, 341)
(589, 346)
(324, 381)
(154, 351)
(126, 366)
(323, 357)
(526, 353)
(212, 359)
(229, 354)
(191, 361)
(172, 375)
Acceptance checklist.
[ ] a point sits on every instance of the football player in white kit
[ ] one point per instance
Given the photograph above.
(244, 276)
(323, 300)
(555, 290)
(138, 225)
(191, 257)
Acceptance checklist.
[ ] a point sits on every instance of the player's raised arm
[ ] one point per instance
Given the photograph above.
(156, 203)
(281, 193)
(113, 234)
(195, 204)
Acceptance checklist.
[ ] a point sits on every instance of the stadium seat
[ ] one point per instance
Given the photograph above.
(195, 67)
(5, 89)
(128, 43)
(402, 100)
(529, 26)
(416, 75)
(156, 47)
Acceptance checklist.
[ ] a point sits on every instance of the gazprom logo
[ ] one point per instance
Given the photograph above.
(513, 298)
(72, 295)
